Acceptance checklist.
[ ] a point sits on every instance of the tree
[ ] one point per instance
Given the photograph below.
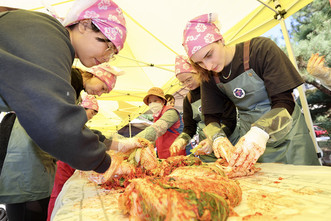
(311, 31)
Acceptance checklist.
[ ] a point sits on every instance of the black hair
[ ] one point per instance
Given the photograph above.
(169, 97)
(77, 80)
(94, 28)
(95, 111)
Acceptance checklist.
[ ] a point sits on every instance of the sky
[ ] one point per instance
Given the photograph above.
(276, 32)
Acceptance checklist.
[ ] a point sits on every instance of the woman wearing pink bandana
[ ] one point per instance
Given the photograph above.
(64, 171)
(102, 74)
(90, 104)
(96, 80)
(192, 114)
(37, 71)
(36, 56)
(259, 79)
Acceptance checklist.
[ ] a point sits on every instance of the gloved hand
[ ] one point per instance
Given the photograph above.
(127, 144)
(316, 65)
(179, 144)
(206, 147)
(100, 178)
(124, 168)
(222, 147)
(249, 148)
(317, 68)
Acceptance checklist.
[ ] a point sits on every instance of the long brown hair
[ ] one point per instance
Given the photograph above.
(85, 74)
(204, 75)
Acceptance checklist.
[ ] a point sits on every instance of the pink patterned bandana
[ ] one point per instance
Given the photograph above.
(199, 32)
(107, 74)
(90, 102)
(105, 14)
(183, 65)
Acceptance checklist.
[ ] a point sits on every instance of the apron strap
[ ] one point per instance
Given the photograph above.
(246, 59)
(217, 79)
(189, 97)
(246, 55)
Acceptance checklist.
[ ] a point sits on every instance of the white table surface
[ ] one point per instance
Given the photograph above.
(278, 191)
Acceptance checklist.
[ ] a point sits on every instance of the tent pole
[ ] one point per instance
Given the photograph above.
(129, 126)
(301, 90)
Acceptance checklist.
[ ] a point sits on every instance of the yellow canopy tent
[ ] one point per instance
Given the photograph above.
(154, 39)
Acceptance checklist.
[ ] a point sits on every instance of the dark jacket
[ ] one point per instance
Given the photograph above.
(36, 57)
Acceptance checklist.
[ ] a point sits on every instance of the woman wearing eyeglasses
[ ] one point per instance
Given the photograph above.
(192, 114)
(99, 79)
(36, 56)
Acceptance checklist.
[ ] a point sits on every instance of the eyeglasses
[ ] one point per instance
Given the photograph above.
(110, 48)
(186, 82)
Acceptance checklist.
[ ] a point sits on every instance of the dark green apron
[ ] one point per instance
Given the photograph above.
(248, 93)
(28, 172)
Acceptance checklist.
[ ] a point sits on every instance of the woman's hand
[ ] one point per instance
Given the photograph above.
(206, 147)
(222, 147)
(127, 144)
(177, 146)
(249, 148)
(100, 178)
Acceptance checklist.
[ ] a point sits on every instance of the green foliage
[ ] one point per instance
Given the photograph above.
(311, 31)
(324, 122)
(319, 105)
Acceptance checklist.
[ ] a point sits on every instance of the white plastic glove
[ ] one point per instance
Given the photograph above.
(206, 147)
(177, 146)
(222, 147)
(127, 144)
(318, 69)
(249, 148)
(100, 178)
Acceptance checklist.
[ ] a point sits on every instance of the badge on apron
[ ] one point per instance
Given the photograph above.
(239, 93)
(200, 109)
